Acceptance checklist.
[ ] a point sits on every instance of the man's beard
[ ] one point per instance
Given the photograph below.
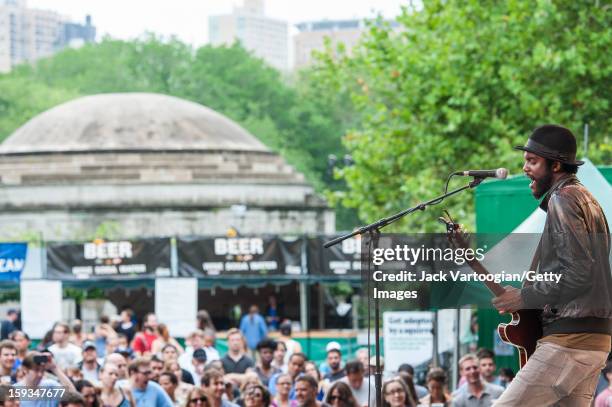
(543, 184)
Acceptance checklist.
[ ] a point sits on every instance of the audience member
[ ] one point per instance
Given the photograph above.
(264, 368)
(253, 327)
(236, 360)
(395, 394)
(438, 392)
(340, 395)
(604, 399)
(334, 362)
(88, 391)
(8, 325)
(306, 391)
(146, 392)
(477, 390)
(214, 387)
(360, 386)
(284, 383)
(112, 395)
(144, 340)
(8, 355)
(65, 354)
(89, 365)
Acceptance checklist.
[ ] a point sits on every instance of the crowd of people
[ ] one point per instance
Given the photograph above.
(119, 365)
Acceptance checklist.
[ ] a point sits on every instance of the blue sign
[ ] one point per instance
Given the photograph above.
(12, 260)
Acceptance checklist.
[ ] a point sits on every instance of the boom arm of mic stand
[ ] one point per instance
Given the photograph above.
(379, 224)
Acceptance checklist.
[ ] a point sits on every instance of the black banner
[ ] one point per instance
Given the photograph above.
(239, 256)
(343, 259)
(145, 258)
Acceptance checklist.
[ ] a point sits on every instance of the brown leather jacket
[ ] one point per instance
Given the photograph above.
(576, 244)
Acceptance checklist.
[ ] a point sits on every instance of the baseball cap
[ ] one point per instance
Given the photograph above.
(89, 345)
(333, 345)
(199, 355)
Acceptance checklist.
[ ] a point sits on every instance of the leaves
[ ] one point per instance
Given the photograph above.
(457, 86)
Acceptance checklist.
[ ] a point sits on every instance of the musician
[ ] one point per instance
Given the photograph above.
(576, 313)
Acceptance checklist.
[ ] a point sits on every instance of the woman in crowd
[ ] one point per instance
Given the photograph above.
(436, 384)
(110, 395)
(395, 394)
(310, 368)
(163, 339)
(88, 391)
(409, 382)
(182, 389)
(256, 395)
(283, 388)
(341, 395)
(248, 379)
(197, 398)
(279, 356)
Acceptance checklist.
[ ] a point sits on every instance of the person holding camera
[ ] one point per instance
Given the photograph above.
(36, 366)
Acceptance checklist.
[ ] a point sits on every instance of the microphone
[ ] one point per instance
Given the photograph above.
(500, 173)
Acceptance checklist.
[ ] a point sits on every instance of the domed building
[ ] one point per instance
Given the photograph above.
(154, 165)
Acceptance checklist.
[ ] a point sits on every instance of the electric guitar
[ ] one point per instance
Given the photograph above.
(525, 328)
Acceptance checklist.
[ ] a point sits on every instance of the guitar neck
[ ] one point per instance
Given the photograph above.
(494, 287)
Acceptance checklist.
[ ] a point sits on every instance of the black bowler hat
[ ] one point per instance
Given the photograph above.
(553, 142)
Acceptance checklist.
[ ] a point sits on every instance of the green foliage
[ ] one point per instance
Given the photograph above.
(458, 86)
(303, 122)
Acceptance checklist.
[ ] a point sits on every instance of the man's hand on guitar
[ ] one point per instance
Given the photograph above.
(510, 301)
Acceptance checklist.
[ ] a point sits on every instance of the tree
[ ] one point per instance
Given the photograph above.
(457, 87)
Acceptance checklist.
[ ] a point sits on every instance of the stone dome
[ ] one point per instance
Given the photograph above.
(130, 122)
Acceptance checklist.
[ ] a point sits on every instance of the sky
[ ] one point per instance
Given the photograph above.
(188, 19)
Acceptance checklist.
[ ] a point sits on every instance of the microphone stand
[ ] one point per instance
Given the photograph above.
(373, 232)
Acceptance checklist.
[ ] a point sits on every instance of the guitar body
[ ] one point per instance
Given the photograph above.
(522, 332)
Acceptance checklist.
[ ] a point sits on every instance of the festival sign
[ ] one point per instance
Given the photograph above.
(12, 260)
(239, 256)
(100, 259)
(341, 259)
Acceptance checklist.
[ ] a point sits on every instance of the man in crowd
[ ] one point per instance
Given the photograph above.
(209, 345)
(157, 367)
(264, 368)
(143, 340)
(146, 392)
(36, 364)
(295, 367)
(89, 366)
(65, 354)
(253, 327)
(478, 392)
(236, 360)
(486, 360)
(362, 356)
(9, 324)
(306, 388)
(198, 361)
(8, 355)
(214, 387)
(355, 374)
(334, 362)
(169, 382)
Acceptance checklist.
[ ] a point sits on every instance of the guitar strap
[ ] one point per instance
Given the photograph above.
(535, 262)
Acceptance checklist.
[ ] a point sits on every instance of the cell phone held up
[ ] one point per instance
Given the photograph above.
(41, 359)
